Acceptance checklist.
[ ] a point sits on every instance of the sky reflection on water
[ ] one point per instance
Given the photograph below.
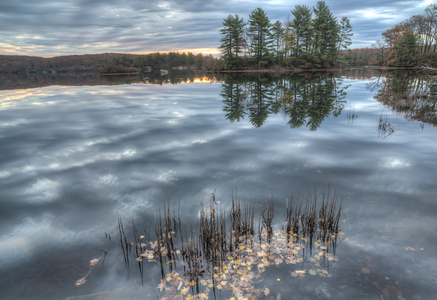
(72, 157)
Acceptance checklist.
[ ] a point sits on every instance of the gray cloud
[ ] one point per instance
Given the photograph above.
(50, 27)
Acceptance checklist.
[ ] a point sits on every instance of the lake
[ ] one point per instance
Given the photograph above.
(76, 157)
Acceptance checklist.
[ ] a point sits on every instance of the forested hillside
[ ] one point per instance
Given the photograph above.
(108, 61)
(29, 64)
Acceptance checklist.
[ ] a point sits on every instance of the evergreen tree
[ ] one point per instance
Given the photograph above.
(345, 35)
(407, 51)
(231, 41)
(326, 33)
(278, 38)
(260, 35)
(301, 28)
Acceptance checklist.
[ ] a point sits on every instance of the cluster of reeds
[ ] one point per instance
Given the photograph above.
(385, 129)
(314, 223)
(221, 241)
(351, 116)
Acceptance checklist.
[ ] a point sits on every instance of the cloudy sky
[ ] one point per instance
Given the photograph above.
(62, 27)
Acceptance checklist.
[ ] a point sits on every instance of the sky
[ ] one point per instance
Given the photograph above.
(64, 27)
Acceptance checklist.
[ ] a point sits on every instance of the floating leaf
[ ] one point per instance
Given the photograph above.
(312, 272)
(161, 286)
(365, 270)
(94, 262)
(184, 290)
(80, 281)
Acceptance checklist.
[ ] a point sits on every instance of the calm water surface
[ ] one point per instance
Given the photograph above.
(73, 157)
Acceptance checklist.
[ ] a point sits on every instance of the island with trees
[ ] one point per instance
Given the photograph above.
(313, 38)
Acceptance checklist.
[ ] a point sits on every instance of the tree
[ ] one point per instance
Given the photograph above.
(199, 60)
(345, 34)
(326, 33)
(260, 35)
(407, 51)
(231, 41)
(278, 37)
(381, 51)
(431, 17)
(394, 35)
(425, 28)
(300, 27)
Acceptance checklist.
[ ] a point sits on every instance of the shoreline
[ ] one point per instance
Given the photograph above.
(299, 70)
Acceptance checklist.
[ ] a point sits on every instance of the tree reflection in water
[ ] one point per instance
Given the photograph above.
(305, 99)
(412, 96)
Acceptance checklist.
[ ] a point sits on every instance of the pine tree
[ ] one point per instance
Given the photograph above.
(407, 51)
(231, 41)
(301, 28)
(278, 38)
(260, 35)
(345, 35)
(326, 33)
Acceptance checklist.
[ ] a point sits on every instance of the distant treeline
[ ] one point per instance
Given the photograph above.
(94, 62)
(30, 64)
(156, 61)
